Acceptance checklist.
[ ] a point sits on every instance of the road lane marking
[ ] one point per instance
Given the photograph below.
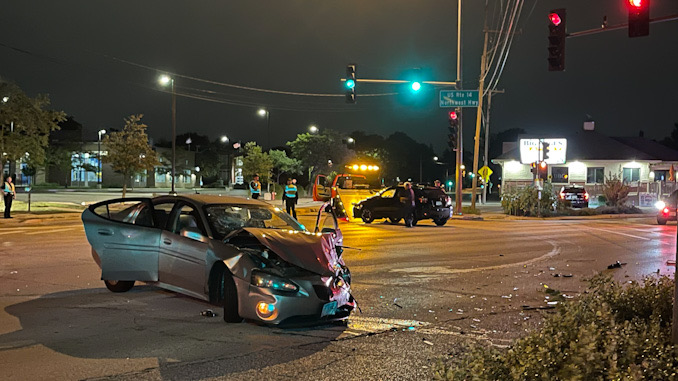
(13, 232)
(51, 231)
(446, 270)
(624, 234)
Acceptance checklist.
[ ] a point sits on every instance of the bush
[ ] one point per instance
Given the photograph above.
(610, 333)
(620, 209)
(615, 190)
(525, 202)
(469, 210)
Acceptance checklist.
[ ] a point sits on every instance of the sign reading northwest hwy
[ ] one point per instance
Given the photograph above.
(458, 98)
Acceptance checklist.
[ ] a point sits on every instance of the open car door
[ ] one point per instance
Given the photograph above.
(321, 192)
(124, 235)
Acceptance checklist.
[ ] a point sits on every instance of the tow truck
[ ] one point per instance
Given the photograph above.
(346, 189)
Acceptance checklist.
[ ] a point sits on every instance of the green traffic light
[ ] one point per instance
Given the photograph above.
(416, 86)
(350, 84)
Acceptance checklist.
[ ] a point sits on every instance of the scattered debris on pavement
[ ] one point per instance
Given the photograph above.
(208, 313)
(616, 265)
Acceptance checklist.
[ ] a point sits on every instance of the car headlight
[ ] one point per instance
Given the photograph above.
(261, 279)
(660, 205)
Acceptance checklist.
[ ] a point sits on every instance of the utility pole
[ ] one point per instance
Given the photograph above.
(486, 158)
(460, 140)
(479, 115)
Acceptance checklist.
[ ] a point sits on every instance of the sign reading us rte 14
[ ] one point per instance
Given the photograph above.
(458, 98)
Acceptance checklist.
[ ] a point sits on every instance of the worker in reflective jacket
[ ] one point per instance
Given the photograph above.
(255, 187)
(291, 198)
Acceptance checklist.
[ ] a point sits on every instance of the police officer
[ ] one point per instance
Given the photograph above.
(291, 197)
(255, 187)
(9, 194)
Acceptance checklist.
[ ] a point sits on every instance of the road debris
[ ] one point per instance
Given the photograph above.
(530, 308)
(616, 265)
(427, 342)
(208, 313)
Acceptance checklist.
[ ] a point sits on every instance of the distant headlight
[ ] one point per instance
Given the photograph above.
(261, 279)
(660, 205)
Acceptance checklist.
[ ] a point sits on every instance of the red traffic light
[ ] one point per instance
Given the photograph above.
(555, 18)
(636, 3)
(542, 164)
(453, 115)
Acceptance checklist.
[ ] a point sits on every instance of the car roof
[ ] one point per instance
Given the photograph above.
(205, 199)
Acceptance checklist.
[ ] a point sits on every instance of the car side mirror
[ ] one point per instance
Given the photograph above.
(194, 234)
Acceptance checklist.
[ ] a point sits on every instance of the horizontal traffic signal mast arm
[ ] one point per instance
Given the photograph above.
(442, 83)
(619, 26)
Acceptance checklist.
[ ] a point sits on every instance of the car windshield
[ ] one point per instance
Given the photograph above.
(225, 218)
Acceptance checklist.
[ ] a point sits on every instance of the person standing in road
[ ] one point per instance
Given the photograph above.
(9, 194)
(255, 187)
(409, 204)
(291, 198)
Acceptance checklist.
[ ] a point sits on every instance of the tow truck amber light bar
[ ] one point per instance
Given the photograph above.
(363, 167)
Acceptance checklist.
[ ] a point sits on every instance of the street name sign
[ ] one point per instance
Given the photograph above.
(458, 98)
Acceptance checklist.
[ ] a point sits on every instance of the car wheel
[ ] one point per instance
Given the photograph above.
(394, 221)
(661, 221)
(230, 297)
(367, 215)
(440, 221)
(119, 285)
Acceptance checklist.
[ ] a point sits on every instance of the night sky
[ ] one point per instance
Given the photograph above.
(99, 62)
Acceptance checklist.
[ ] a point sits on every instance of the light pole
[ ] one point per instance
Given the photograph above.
(101, 132)
(165, 80)
(263, 112)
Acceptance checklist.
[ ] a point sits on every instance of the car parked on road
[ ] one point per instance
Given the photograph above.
(250, 257)
(431, 203)
(666, 208)
(576, 195)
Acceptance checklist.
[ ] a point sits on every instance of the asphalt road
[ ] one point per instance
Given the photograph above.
(465, 282)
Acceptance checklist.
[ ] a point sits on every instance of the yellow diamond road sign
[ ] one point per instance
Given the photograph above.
(485, 172)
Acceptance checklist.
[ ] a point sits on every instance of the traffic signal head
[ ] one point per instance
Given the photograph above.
(350, 83)
(557, 34)
(454, 129)
(546, 150)
(639, 17)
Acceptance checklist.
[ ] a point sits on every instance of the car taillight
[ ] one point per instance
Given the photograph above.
(586, 196)
(562, 195)
(666, 210)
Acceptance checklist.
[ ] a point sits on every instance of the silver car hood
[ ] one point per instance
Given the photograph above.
(303, 249)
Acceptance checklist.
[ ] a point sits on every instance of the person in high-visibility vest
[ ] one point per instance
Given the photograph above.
(255, 187)
(291, 198)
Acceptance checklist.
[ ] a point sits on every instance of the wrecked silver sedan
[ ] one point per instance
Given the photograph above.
(245, 255)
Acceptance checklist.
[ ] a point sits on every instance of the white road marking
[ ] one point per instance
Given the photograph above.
(446, 270)
(13, 232)
(624, 234)
(51, 231)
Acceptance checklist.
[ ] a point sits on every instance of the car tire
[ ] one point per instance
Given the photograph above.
(394, 221)
(119, 285)
(367, 215)
(229, 292)
(440, 221)
(661, 221)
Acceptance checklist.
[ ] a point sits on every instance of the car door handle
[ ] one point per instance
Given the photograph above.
(167, 241)
(105, 232)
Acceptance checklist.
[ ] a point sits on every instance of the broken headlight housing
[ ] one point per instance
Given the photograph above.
(266, 280)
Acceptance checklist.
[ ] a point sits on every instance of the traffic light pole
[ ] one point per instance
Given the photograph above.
(479, 115)
(460, 140)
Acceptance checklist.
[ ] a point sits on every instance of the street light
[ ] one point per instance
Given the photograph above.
(224, 139)
(350, 140)
(435, 158)
(263, 112)
(313, 129)
(165, 80)
(101, 132)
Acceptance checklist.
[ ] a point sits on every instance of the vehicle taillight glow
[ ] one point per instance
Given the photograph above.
(666, 211)
(586, 195)
(636, 3)
(562, 195)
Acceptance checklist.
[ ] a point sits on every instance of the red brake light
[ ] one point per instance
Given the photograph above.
(586, 195)
(555, 19)
(542, 164)
(666, 210)
(562, 195)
